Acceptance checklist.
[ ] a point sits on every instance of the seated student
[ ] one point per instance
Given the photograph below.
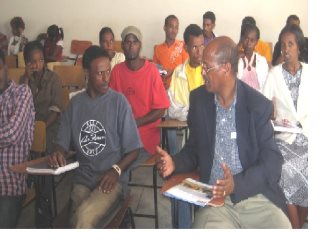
(208, 24)
(99, 125)
(172, 52)
(53, 44)
(185, 78)
(288, 86)
(261, 47)
(106, 40)
(277, 57)
(252, 67)
(46, 88)
(18, 41)
(16, 135)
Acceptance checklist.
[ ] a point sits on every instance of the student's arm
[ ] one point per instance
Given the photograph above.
(55, 55)
(111, 177)
(152, 116)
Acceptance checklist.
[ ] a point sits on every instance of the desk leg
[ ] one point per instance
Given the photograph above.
(43, 204)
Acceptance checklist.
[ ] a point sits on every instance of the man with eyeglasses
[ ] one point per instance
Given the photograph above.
(231, 144)
(185, 78)
(140, 82)
(99, 125)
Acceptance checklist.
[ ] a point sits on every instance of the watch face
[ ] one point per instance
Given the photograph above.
(92, 138)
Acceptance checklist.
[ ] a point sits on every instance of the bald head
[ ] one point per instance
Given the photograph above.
(222, 50)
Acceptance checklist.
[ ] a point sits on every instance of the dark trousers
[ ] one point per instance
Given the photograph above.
(181, 213)
(10, 209)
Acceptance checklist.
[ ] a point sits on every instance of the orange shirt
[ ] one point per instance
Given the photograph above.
(170, 57)
(263, 49)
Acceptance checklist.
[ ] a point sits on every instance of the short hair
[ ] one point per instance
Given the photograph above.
(168, 18)
(103, 31)
(17, 22)
(292, 18)
(31, 46)
(2, 57)
(92, 53)
(248, 28)
(227, 52)
(54, 31)
(209, 15)
(191, 30)
(248, 20)
(298, 34)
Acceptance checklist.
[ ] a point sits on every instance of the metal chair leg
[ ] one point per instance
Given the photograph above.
(155, 196)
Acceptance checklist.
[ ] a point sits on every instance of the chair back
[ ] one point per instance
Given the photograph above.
(15, 74)
(78, 47)
(72, 77)
(21, 63)
(11, 61)
(117, 46)
(39, 137)
(66, 98)
(51, 65)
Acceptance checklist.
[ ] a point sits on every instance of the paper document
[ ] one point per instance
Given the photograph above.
(46, 169)
(192, 191)
(279, 127)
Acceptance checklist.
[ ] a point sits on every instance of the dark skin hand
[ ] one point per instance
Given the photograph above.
(152, 116)
(225, 186)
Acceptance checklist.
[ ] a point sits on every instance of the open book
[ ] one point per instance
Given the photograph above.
(195, 192)
(44, 168)
(279, 127)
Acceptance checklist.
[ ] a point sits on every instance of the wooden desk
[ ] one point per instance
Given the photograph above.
(21, 168)
(171, 124)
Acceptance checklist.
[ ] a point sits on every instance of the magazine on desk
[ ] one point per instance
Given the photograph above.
(280, 127)
(193, 191)
(44, 168)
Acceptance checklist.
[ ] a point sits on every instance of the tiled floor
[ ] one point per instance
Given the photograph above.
(142, 202)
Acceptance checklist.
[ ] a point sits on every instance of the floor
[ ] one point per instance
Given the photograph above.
(142, 202)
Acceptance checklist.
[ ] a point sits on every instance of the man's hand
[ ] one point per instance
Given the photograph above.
(225, 186)
(109, 181)
(56, 159)
(165, 165)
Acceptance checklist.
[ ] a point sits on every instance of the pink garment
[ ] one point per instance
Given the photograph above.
(249, 75)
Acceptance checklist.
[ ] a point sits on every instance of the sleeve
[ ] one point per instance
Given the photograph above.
(268, 86)
(263, 69)
(159, 96)
(12, 131)
(127, 128)
(176, 109)
(266, 170)
(64, 133)
(56, 97)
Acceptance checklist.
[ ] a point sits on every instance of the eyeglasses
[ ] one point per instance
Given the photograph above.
(207, 70)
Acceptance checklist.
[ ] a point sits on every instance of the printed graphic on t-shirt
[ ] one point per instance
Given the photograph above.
(92, 137)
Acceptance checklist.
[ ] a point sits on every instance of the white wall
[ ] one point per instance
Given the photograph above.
(83, 19)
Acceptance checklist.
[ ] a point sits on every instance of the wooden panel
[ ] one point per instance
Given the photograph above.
(39, 137)
(11, 61)
(72, 77)
(117, 46)
(79, 46)
(15, 73)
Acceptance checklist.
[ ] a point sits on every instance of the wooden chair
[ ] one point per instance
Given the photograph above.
(15, 74)
(66, 98)
(51, 65)
(117, 46)
(150, 162)
(11, 61)
(78, 47)
(21, 63)
(72, 77)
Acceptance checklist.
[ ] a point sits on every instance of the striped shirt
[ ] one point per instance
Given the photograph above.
(16, 136)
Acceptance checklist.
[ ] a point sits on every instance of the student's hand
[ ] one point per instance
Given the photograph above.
(109, 181)
(56, 159)
(225, 186)
(165, 164)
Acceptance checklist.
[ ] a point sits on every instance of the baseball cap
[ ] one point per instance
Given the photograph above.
(131, 30)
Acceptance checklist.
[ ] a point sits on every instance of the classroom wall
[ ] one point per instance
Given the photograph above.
(83, 19)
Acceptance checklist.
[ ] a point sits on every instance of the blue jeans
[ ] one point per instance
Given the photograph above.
(10, 209)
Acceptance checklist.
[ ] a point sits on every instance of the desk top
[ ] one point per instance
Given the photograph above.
(21, 168)
(173, 123)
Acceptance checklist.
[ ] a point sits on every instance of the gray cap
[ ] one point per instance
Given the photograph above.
(131, 30)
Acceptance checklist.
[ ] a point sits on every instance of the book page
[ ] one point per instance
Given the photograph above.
(279, 127)
(44, 168)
